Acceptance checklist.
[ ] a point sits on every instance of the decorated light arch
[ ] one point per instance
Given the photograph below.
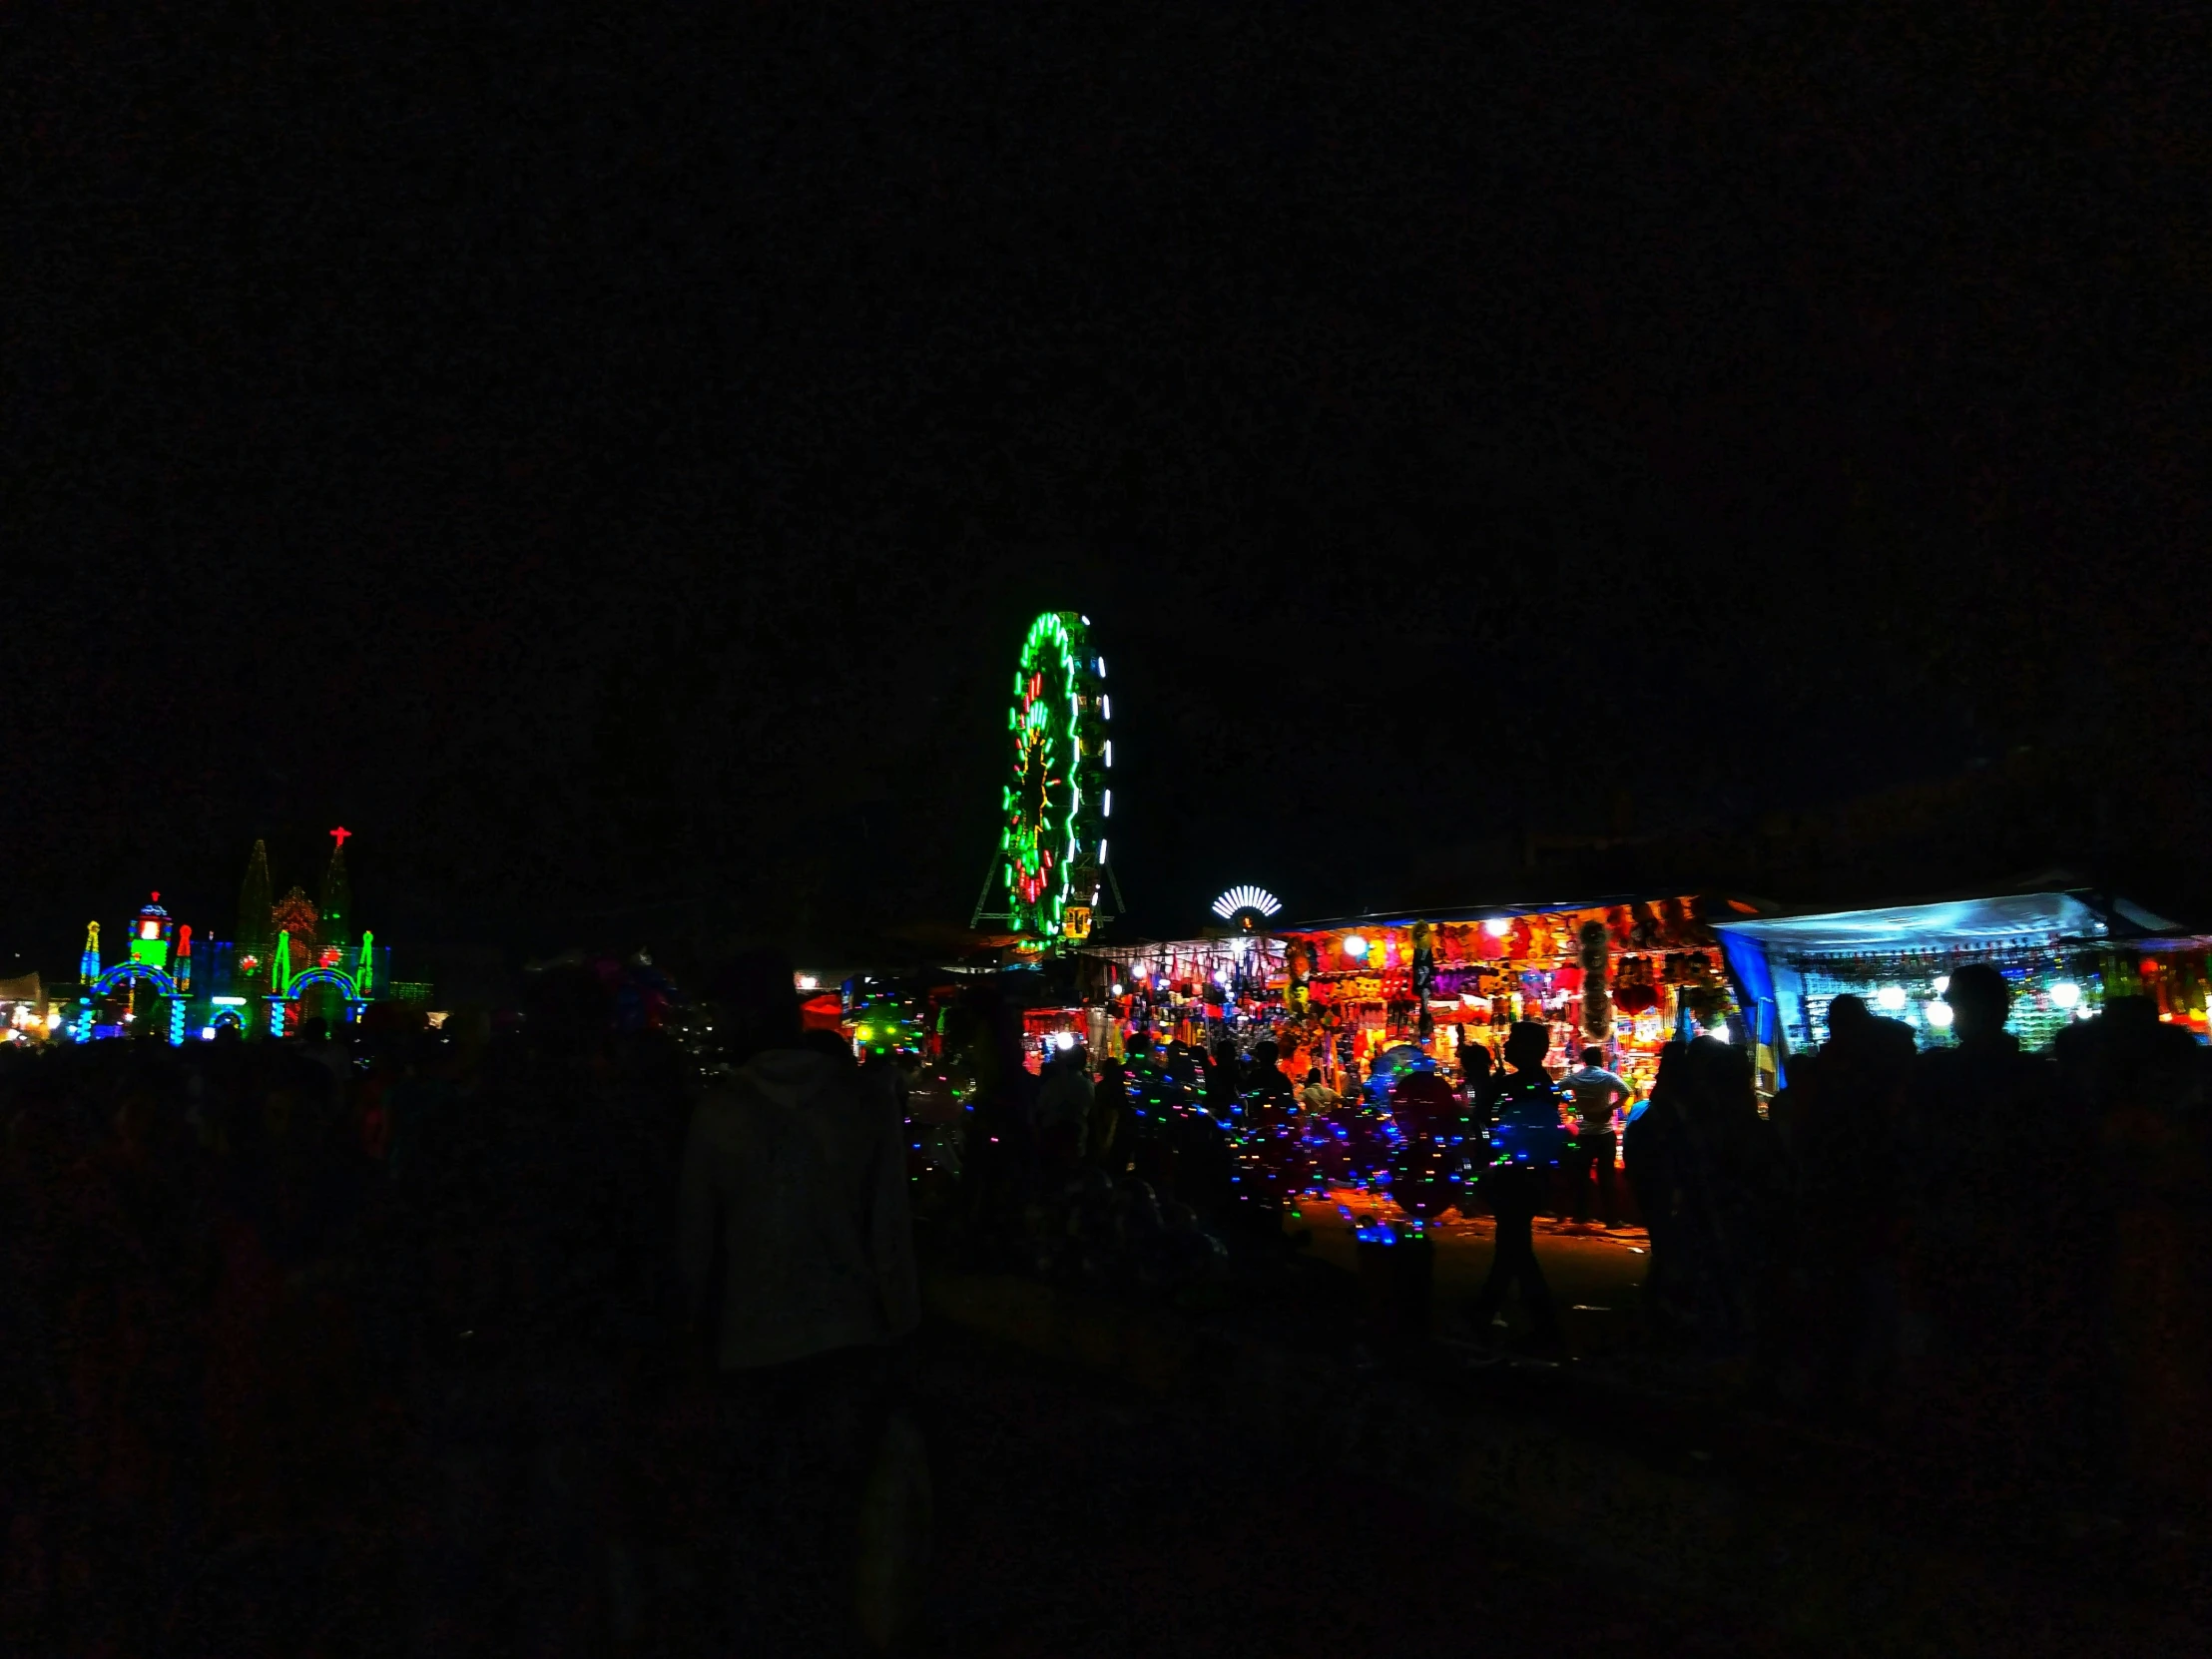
(1050, 874)
(284, 951)
(125, 973)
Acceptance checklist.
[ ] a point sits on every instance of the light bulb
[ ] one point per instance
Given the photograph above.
(2066, 995)
(1354, 946)
(1117, 988)
(1942, 984)
(1891, 998)
(1499, 927)
(1220, 976)
(1939, 1015)
(1063, 1041)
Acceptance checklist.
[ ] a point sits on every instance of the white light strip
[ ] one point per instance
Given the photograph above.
(1107, 810)
(1246, 898)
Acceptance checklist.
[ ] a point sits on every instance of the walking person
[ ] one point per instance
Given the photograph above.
(1525, 1142)
(1595, 1095)
(794, 1197)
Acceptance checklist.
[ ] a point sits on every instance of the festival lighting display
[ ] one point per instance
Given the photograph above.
(1246, 898)
(1051, 845)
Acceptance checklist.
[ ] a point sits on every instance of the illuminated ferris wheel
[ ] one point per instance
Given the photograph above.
(1050, 877)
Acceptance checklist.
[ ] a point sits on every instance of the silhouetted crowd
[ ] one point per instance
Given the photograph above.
(1985, 1251)
(537, 1339)
(428, 1343)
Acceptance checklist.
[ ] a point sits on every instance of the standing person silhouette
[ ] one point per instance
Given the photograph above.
(1597, 1094)
(797, 1252)
(1525, 1140)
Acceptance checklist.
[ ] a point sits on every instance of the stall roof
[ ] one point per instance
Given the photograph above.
(1742, 905)
(1966, 922)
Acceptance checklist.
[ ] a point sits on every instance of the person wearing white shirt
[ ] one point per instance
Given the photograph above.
(1595, 1095)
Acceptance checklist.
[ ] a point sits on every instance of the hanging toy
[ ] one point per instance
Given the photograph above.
(1597, 1008)
(1425, 959)
(1298, 958)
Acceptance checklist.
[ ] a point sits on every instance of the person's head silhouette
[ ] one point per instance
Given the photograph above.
(1847, 1018)
(1979, 1000)
(759, 1003)
(1527, 1045)
(1265, 1054)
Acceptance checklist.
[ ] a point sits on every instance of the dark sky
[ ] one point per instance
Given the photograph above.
(607, 463)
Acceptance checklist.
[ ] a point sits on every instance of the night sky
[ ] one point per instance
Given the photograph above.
(608, 463)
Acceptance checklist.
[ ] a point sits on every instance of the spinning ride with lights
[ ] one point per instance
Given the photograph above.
(1050, 875)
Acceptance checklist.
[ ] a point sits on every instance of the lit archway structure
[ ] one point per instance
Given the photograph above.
(353, 988)
(117, 977)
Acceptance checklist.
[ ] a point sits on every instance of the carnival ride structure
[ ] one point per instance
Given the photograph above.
(1049, 875)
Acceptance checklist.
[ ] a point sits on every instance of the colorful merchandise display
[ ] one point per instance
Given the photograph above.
(1228, 987)
(1624, 976)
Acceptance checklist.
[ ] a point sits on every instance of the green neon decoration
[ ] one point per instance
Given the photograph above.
(365, 979)
(280, 966)
(1052, 833)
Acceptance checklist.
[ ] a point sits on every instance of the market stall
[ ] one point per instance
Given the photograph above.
(1624, 974)
(1227, 984)
(2065, 954)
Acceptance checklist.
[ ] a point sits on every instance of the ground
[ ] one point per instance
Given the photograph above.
(1594, 1275)
(1075, 1519)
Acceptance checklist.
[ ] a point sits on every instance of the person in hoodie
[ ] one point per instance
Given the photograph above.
(797, 1252)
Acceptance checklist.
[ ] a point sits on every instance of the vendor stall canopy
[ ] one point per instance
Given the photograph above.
(1711, 910)
(1993, 922)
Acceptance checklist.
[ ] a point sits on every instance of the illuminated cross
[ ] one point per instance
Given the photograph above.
(341, 833)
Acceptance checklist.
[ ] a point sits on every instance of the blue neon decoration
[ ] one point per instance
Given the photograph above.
(324, 977)
(128, 969)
